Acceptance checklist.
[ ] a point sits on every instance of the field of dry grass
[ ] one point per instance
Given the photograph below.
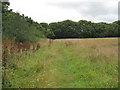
(68, 63)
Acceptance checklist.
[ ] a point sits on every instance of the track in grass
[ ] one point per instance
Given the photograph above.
(83, 63)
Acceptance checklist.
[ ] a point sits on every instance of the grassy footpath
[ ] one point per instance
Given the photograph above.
(81, 64)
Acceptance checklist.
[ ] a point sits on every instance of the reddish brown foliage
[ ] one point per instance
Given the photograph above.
(26, 45)
(68, 43)
(5, 50)
(34, 46)
(19, 46)
(50, 42)
(38, 46)
(11, 47)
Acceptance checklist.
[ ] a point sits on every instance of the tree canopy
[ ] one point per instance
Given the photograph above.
(24, 28)
(19, 26)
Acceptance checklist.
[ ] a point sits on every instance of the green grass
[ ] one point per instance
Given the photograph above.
(87, 64)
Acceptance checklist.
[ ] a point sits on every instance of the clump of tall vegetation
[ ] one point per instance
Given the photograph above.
(20, 35)
(24, 28)
(20, 26)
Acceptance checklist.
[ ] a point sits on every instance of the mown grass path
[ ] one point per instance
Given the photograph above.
(82, 64)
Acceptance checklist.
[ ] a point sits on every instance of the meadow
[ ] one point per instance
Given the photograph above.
(66, 63)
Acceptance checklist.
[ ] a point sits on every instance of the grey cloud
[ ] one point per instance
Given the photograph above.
(90, 9)
(104, 18)
(4, 0)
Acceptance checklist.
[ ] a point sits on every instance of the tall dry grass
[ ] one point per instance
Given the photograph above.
(73, 63)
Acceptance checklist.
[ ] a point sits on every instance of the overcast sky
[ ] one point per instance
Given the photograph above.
(58, 10)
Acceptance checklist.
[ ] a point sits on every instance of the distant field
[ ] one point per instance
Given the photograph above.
(83, 39)
(67, 63)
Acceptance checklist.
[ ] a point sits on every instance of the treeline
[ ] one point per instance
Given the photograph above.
(81, 29)
(19, 26)
(24, 28)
